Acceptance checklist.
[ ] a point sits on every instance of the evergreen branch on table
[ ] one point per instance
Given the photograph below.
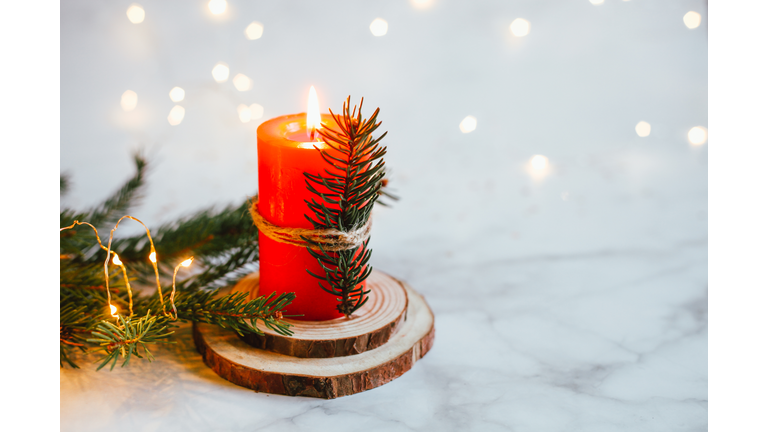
(346, 194)
(126, 339)
(233, 311)
(224, 244)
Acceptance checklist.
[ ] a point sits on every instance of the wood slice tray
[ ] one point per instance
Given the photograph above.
(269, 372)
(370, 327)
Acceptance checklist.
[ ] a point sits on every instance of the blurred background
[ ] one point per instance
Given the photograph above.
(550, 156)
(574, 87)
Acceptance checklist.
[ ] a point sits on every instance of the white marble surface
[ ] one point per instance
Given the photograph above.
(572, 302)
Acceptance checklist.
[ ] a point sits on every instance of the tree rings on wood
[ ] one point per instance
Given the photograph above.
(270, 372)
(368, 328)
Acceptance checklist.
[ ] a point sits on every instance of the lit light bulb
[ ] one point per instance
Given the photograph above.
(242, 82)
(135, 13)
(129, 100)
(177, 94)
(697, 135)
(244, 113)
(379, 27)
(313, 112)
(187, 262)
(153, 257)
(596, 2)
(254, 30)
(257, 111)
(520, 27)
(692, 20)
(539, 162)
(217, 7)
(116, 260)
(220, 72)
(176, 115)
(113, 310)
(468, 124)
(422, 4)
(643, 129)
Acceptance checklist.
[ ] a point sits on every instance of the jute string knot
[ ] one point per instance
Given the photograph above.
(330, 239)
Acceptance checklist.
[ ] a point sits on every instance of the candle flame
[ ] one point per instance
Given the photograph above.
(313, 113)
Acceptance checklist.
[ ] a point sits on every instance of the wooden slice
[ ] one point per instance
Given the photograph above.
(269, 372)
(370, 327)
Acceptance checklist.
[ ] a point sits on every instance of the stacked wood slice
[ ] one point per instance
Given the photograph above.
(326, 359)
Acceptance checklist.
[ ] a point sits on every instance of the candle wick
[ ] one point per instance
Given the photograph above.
(312, 134)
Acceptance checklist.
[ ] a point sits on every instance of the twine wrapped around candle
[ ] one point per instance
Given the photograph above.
(331, 240)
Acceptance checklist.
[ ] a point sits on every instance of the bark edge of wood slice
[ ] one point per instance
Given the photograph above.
(269, 372)
(369, 328)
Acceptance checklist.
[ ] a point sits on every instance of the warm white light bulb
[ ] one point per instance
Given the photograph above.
(468, 124)
(242, 82)
(697, 135)
(539, 162)
(520, 27)
(692, 19)
(177, 94)
(153, 257)
(220, 72)
(257, 111)
(135, 13)
(244, 113)
(217, 7)
(176, 115)
(187, 262)
(129, 100)
(422, 4)
(116, 260)
(379, 27)
(113, 310)
(643, 129)
(254, 30)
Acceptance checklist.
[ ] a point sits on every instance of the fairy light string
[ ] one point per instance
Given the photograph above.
(116, 260)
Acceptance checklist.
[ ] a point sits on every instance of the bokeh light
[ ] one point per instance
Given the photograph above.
(217, 7)
(596, 2)
(242, 82)
(176, 115)
(254, 30)
(244, 113)
(697, 135)
(257, 111)
(539, 162)
(177, 94)
(129, 100)
(692, 19)
(422, 4)
(520, 27)
(643, 129)
(379, 27)
(468, 124)
(135, 13)
(220, 72)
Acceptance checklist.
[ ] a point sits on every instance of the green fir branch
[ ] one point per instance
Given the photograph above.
(129, 338)
(345, 196)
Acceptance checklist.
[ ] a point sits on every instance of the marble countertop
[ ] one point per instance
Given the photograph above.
(570, 299)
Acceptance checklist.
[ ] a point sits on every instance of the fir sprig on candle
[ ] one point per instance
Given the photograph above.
(346, 195)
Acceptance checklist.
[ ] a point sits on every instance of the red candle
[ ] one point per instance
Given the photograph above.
(286, 152)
